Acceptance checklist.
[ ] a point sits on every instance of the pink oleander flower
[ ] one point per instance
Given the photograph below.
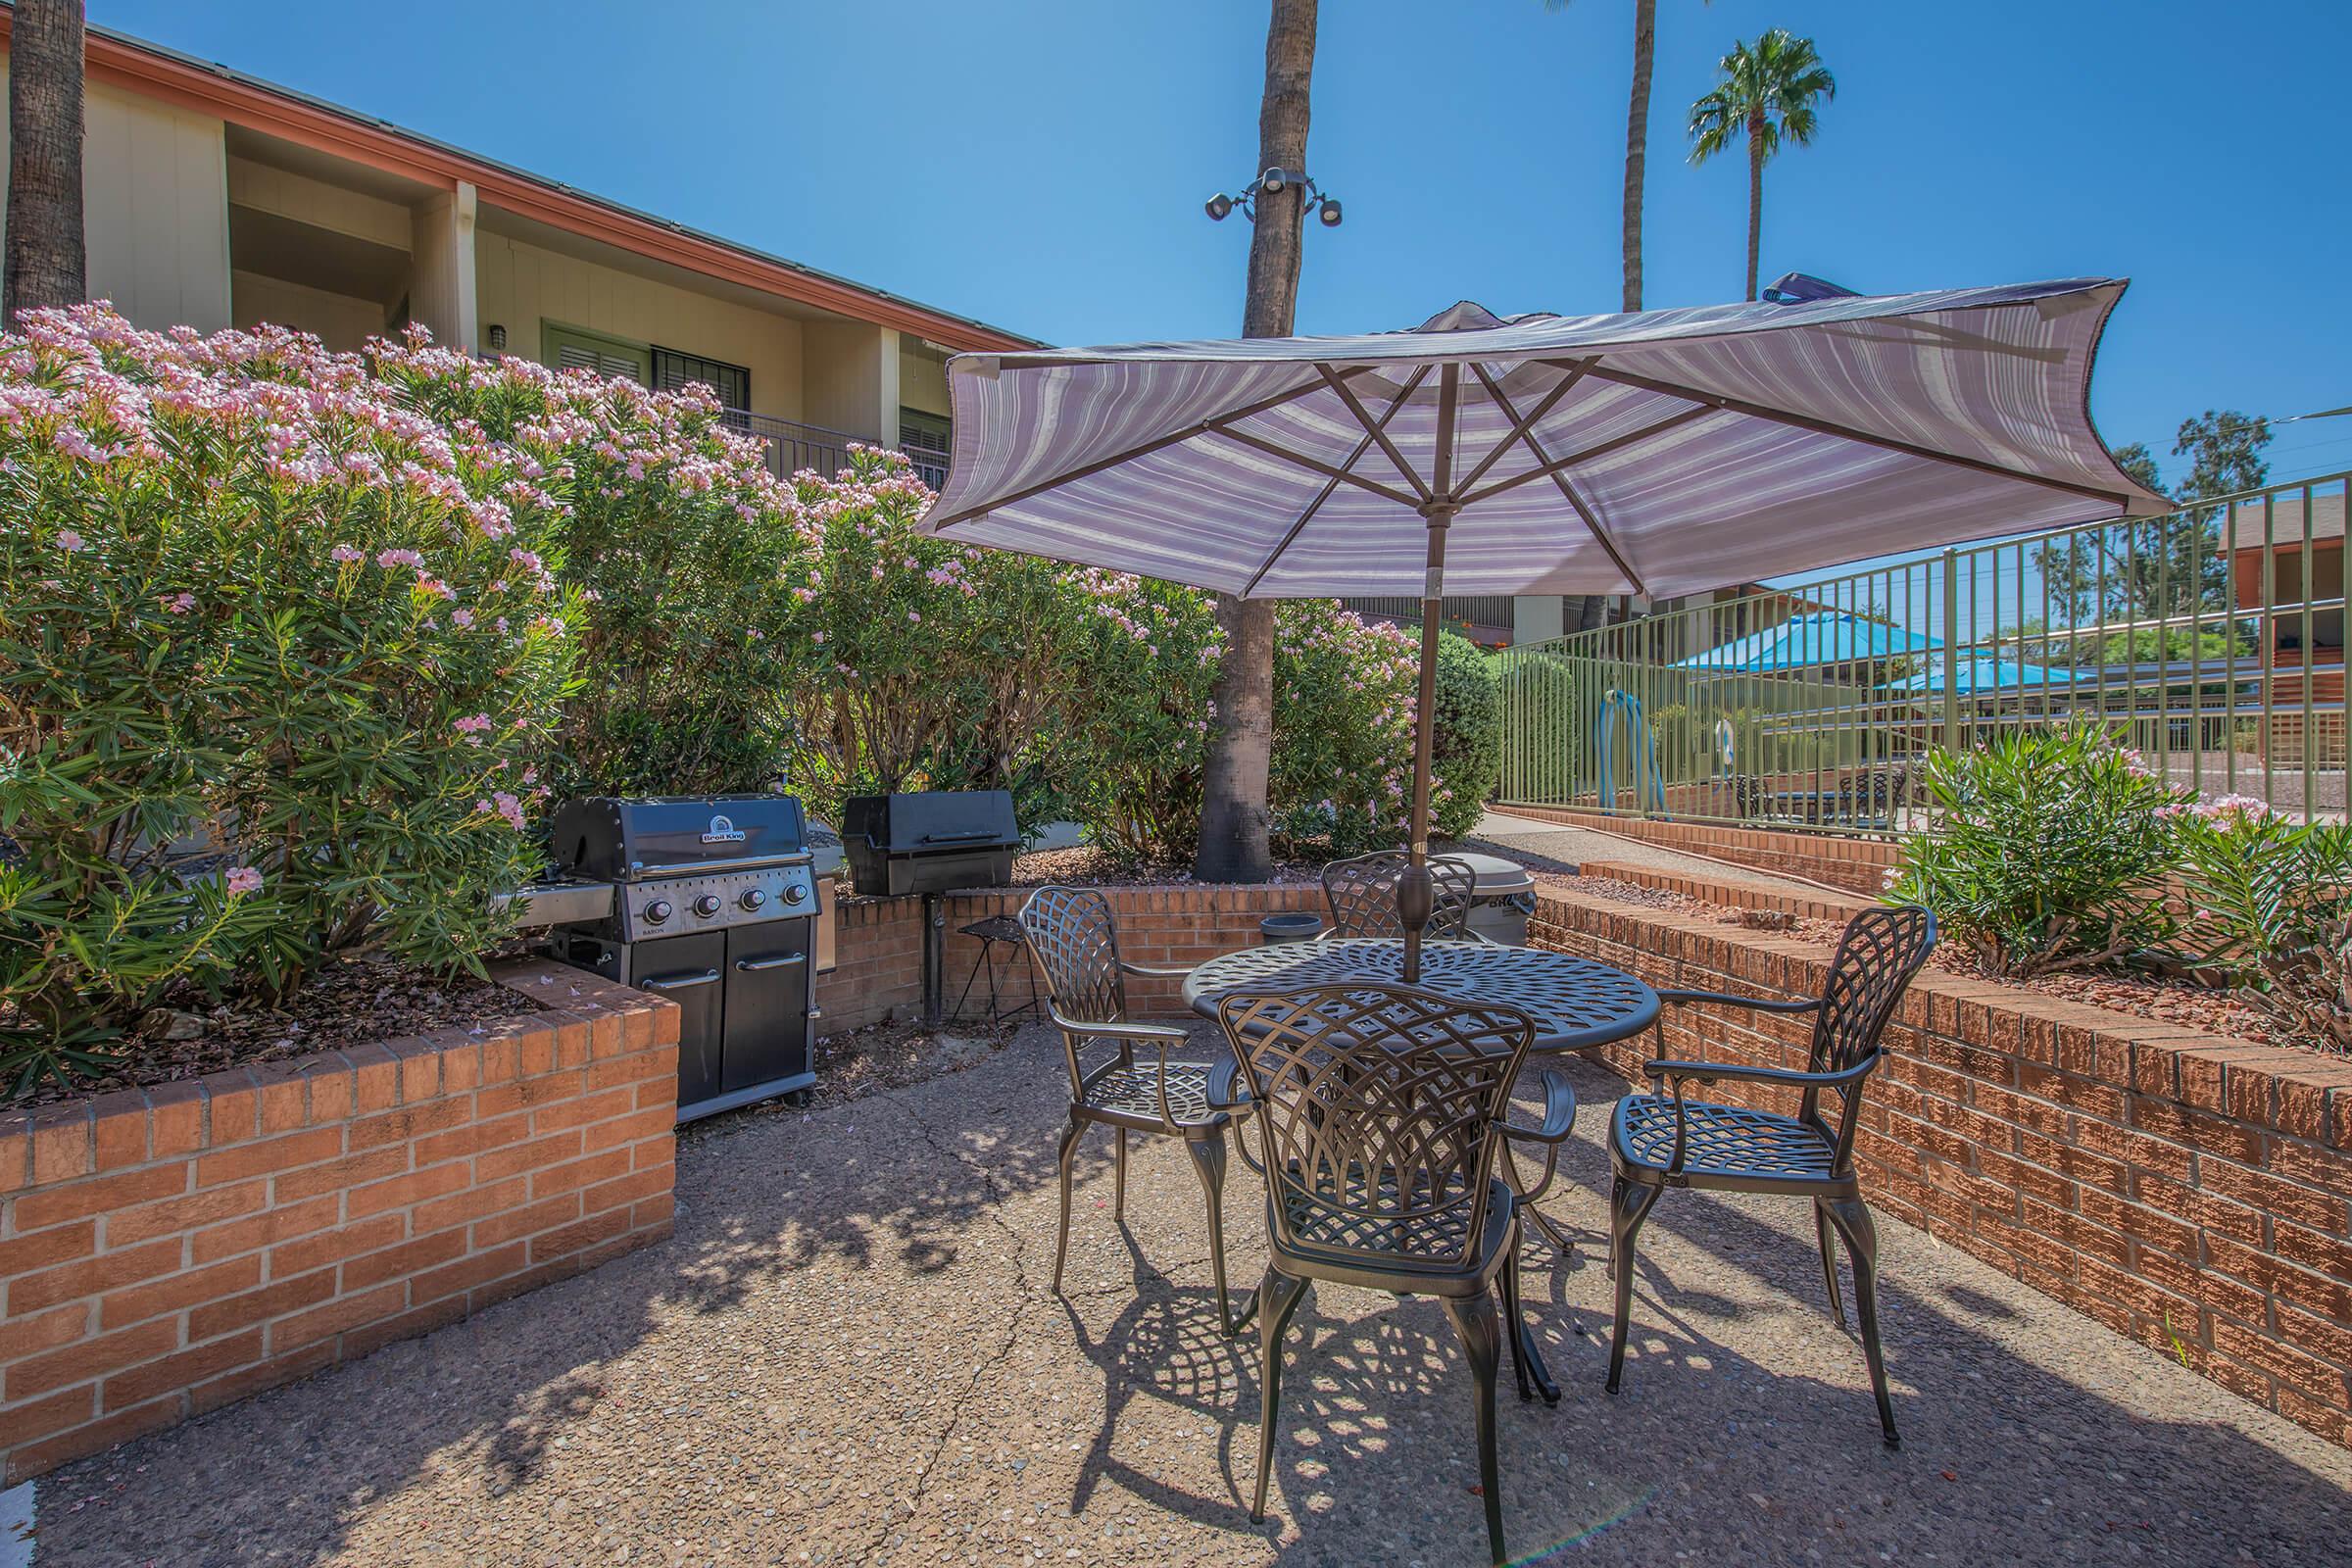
(399, 558)
(179, 604)
(345, 555)
(242, 880)
(510, 808)
(70, 542)
(461, 619)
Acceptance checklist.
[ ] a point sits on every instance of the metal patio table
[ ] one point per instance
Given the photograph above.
(1578, 1004)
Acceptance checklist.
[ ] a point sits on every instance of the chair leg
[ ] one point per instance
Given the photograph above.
(1070, 1151)
(1829, 1258)
(1629, 1205)
(1278, 1296)
(1852, 1219)
(1118, 1188)
(1209, 1164)
(1512, 1317)
(1482, 1345)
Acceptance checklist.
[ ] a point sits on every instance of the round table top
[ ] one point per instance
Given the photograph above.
(1576, 1002)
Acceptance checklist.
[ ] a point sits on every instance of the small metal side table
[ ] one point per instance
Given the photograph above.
(995, 929)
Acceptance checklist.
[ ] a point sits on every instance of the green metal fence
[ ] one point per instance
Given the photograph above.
(2212, 638)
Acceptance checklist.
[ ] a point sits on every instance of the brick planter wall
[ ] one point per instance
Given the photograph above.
(166, 1251)
(2188, 1191)
(1859, 865)
(879, 952)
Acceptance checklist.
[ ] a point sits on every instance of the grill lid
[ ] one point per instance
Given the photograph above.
(621, 840)
(933, 823)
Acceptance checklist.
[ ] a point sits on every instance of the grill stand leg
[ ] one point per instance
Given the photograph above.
(934, 924)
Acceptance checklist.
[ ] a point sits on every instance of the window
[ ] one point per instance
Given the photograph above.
(568, 348)
(732, 382)
(925, 438)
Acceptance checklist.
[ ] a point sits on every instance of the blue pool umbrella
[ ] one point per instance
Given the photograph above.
(1804, 642)
(1979, 674)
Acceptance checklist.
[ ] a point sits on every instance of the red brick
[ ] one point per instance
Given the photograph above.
(2328, 1170)
(260, 1230)
(328, 1078)
(87, 1359)
(468, 1273)
(411, 1122)
(581, 1234)
(580, 1173)
(236, 1099)
(43, 1331)
(461, 1207)
(22, 1254)
(268, 1155)
(336, 1175)
(190, 1211)
(397, 1262)
(63, 1143)
(586, 1108)
(176, 1119)
(60, 1412)
(176, 1372)
(434, 1181)
(2315, 1379)
(29, 1293)
(369, 1338)
(473, 1138)
(34, 1458)
(2287, 1199)
(2325, 1253)
(330, 1319)
(176, 1292)
(524, 1221)
(96, 1195)
(119, 1125)
(627, 1188)
(273, 1299)
(659, 1121)
(285, 1100)
(375, 1079)
(234, 1385)
(333, 1246)
(552, 1150)
(523, 1094)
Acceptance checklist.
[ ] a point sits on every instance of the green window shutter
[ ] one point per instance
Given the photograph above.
(568, 348)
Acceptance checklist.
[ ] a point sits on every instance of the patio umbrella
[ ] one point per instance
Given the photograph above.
(1656, 452)
(1979, 674)
(1809, 641)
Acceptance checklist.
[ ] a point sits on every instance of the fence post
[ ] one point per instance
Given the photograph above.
(1951, 650)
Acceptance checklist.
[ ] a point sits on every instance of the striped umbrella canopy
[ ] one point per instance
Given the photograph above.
(1655, 453)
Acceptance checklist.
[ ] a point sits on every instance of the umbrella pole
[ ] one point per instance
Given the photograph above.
(1416, 898)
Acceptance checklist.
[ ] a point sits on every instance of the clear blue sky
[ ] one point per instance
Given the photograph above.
(1041, 164)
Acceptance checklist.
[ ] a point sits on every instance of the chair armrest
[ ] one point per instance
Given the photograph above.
(1559, 1118)
(1152, 970)
(1725, 999)
(1559, 1112)
(1226, 1091)
(1706, 1072)
(1162, 1035)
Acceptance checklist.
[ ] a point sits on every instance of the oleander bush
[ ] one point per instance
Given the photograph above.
(2050, 850)
(2271, 912)
(280, 655)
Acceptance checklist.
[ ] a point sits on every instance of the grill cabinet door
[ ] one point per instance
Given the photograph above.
(768, 1004)
(689, 971)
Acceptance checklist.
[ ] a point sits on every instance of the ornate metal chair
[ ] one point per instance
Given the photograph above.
(1662, 1140)
(1362, 895)
(1380, 1112)
(1075, 944)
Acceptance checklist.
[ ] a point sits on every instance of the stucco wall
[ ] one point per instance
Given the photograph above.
(341, 322)
(155, 183)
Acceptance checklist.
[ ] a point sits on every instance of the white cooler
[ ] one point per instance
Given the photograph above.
(1506, 896)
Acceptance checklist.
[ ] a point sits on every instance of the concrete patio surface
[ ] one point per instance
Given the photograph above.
(1554, 847)
(848, 1354)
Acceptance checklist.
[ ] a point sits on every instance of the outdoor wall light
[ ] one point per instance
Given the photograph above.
(498, 336)
(1273, 182)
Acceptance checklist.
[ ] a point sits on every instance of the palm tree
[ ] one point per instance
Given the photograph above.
(45, 264)
(1766, 94)
(1234, 818)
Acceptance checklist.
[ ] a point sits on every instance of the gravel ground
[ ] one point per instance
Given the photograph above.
(848, 1354)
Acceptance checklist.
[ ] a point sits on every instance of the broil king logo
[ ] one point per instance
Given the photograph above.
(722, 831)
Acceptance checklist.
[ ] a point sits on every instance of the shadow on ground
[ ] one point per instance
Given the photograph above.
(848, 1354)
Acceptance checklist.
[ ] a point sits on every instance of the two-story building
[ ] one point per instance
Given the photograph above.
(216, 200)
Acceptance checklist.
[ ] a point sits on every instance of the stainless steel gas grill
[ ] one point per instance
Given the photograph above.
(714, 906)
(930, 844)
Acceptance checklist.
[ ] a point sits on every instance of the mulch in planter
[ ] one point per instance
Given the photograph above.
(351, 1003)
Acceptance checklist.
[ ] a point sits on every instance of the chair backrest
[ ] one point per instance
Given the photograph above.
(1362, 895)
(1075, 943)
(1377, 1110)
(1876, 959)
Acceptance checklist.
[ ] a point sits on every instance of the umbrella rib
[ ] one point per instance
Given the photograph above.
(1315, 464)
(1378, 431)
(1519, 426)
(1331, 487)
(1613, 444)
(1803, 422)
(1524, 430)
(1156, 444)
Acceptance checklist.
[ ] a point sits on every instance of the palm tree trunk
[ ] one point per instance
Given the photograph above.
(1756, 196)
(1234, 817)
(1637, 143)
(45, 263)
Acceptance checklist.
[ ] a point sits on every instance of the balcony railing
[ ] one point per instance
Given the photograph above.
(792, 446)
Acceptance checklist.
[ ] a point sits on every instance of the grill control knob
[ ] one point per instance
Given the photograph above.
(753, 898)
(656, 911)
(796, 894)
(707, 905)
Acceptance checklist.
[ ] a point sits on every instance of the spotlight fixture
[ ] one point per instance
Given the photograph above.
(1274, 182)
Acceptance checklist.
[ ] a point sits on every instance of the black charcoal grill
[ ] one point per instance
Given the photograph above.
(930, 843)
(714, 906)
